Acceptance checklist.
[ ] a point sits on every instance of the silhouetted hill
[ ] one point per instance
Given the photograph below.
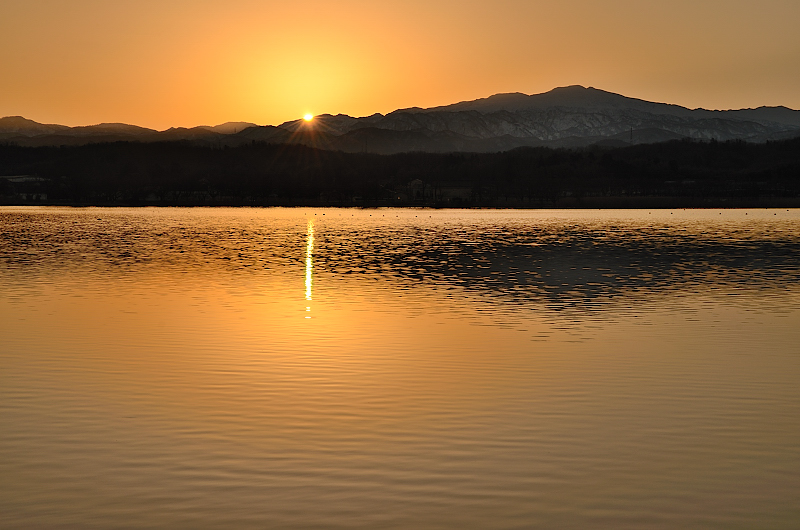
(230, 127)
(183, 133)
(108, 129)
(19, 126)
(767, 115)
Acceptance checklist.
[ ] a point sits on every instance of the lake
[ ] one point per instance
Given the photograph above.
(387, 368)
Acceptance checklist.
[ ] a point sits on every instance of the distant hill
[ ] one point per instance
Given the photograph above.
(570, 116)
(19, 126)
(230, 127)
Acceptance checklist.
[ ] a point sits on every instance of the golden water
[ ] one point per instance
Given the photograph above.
(337, 368)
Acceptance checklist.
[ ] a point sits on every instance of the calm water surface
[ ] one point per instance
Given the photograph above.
(326, 368)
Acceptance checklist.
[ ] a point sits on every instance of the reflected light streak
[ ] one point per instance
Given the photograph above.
(309, 260)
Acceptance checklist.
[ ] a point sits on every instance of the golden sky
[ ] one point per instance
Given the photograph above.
(164, 63)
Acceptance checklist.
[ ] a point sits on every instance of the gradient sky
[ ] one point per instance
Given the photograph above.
(164, 63)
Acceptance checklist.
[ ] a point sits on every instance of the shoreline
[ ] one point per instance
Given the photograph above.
(565, 203)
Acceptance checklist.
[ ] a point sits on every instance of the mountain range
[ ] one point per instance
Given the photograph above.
(572, 116)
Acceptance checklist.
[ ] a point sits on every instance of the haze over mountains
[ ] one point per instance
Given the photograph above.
(571, 116)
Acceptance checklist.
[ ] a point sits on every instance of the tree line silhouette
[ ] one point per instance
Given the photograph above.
(182, 173)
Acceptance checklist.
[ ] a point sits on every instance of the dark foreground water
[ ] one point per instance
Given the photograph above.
(301, 368)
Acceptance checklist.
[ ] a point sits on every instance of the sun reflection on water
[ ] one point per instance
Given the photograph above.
(309, 261)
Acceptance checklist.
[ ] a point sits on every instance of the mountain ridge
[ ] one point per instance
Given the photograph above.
(571, 116)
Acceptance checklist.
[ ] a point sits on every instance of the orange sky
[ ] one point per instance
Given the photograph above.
(163, 63)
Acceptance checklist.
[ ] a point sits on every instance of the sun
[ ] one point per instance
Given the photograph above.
(308, 117)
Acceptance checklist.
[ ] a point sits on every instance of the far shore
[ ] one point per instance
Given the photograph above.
(609, 202)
